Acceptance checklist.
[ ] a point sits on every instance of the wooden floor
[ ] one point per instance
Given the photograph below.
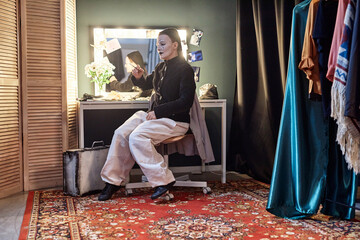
(12, 208)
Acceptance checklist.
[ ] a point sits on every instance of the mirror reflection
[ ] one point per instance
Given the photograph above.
(125, 48)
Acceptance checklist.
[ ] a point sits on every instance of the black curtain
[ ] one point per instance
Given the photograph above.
(262, 44)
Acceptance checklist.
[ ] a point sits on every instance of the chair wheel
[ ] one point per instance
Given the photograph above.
(206, 190)
(168, 196)
(128, 192)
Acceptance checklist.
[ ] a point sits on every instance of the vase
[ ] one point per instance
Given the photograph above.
(100, 89)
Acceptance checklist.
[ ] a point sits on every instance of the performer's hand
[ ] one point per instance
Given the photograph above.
(137, 72)
(113, 78)
(151, 116)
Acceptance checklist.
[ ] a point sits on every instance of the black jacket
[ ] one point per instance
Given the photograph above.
(174, 93)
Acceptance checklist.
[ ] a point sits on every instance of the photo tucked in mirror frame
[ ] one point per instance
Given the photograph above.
(126, 48)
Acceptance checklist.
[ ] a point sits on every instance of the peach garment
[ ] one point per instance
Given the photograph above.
(309, 58)
(336, 40)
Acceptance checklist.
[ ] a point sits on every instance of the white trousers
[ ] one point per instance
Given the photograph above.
(134, 141)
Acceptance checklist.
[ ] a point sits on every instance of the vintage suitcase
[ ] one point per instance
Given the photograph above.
(82, 169)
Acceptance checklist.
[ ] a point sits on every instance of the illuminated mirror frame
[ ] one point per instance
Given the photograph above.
(100, 34)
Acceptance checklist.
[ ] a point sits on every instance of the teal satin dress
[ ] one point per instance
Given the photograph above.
(298, 184)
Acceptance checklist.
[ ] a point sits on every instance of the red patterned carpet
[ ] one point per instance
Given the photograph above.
(235, 210)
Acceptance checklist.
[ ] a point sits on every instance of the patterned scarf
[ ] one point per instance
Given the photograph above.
(348, 136)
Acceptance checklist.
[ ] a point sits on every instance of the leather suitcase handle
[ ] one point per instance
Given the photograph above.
(97, 142)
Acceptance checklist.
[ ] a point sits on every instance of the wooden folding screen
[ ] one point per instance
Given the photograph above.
(48, 75)
(70, 73)
(11, 178)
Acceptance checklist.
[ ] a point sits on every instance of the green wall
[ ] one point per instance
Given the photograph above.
(215, 17)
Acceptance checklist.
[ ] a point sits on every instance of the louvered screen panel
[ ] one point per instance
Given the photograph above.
(44, 130)
(71, 72)
(42, 93)
(10, 142)
(11, 174)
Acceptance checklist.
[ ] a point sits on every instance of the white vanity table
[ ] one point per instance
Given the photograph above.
(111, 105)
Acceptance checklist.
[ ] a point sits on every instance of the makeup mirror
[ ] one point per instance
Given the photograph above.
(117, 43)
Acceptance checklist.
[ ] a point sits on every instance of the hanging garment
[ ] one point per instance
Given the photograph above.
(348, 136)
(322, 35)
(309, 57)
(339, 26)
(340, 182)
(299, 172)
(352, 93)
(352, 101)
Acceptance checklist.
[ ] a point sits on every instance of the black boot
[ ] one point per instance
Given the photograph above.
(161, 190)
(108, 191)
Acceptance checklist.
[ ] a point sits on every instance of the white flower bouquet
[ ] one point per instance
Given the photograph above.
(100, 72)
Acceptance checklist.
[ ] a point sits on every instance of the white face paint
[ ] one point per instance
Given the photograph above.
(166, 48)
(129, 65)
